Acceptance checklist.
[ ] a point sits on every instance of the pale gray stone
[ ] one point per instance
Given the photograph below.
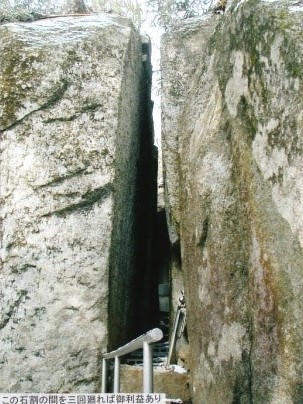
(69, 121)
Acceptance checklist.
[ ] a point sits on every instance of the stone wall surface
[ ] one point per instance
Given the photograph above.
(175, 385)
(181, 46)
(187, 43)
(237, 163)
(70, 130)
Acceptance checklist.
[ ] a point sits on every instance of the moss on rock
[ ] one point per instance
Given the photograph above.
(239, 136)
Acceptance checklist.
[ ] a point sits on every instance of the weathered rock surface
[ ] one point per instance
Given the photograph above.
(237, 161)
(175, 385)
(70, 97)
(183, 50)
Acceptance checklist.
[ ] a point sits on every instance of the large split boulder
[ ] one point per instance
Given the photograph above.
(70, 121)
(237, 155)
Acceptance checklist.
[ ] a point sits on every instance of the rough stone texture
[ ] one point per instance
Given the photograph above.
(173, 384)
(182, 49)
(175, 85)
(70, 101)
(240, 167)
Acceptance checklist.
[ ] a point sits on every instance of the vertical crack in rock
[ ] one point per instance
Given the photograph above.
(133, 235)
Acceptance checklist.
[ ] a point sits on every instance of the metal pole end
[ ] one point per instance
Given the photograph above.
(156, 334)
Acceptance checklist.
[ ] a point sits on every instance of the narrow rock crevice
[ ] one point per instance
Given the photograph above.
(132, 272)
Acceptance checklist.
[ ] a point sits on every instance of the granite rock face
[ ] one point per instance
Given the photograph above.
(70, 97)
(175, 385)
(182, 48)
(237, 163)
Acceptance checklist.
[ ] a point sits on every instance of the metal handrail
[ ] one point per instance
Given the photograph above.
(178, 327)
(145, 341)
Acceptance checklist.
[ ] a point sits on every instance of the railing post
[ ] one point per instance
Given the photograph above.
(146, 341)
(104, 375)
(147, 368)
(173, 336)
(117, 375)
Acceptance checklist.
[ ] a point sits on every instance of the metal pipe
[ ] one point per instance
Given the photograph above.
(147, 368)
(104, 375)
(173, 336)
(145, 341)
(117, 375)
(153, 335)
